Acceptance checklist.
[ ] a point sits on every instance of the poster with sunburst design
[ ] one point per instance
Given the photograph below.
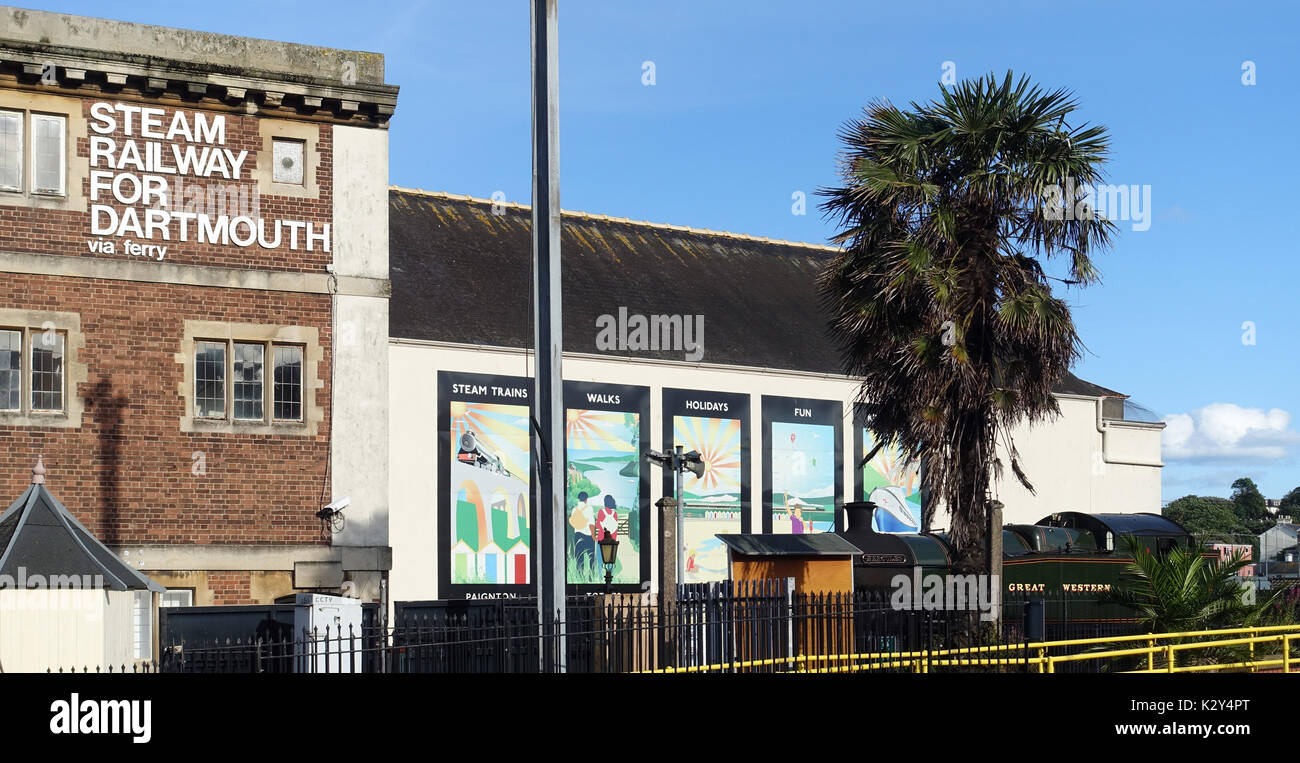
(485, 476)
(890, 479)
(715, 425)
(803, 465)
(607, 482)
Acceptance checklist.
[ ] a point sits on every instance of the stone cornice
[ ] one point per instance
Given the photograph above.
(263, 92)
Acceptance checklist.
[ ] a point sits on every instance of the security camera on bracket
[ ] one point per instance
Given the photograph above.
(332, 513)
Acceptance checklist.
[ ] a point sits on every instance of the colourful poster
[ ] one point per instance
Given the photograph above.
(485, 479)
(803, 478)
(803, 483)
(489, 482)
(893, 483)
(606, 483)
(711, 501)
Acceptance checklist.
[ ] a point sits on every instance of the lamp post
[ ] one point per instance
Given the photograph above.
(679, 462)
(548, 409)
(609, 556)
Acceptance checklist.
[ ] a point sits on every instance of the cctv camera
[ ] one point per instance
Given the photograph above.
(339, 504)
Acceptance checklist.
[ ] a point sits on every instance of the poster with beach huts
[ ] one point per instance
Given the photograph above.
(485, 485)
(802, 464)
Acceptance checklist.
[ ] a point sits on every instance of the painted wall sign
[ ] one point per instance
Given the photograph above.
(717, 425)
(889, 478)
(803, 465)
(140, 158)
(485, 478)
(607, 483)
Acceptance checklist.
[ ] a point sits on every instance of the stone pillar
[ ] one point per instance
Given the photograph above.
(666, 646)
(668, 548)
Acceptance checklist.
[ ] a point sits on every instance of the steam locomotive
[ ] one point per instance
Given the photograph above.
(1061, 554)
(473, 453)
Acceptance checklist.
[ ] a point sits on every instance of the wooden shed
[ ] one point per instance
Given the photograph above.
(819, 562)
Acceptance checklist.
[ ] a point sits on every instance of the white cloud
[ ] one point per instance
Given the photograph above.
(1226, 430)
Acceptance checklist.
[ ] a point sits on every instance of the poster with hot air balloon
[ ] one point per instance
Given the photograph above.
(485, 478)
(715, 425)
(803, 465)
(890, 479)
(607, 483)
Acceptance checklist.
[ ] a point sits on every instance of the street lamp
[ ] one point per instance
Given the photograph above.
(679, 462)
(609, 555)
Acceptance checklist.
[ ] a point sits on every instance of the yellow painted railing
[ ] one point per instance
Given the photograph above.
(1269, 648)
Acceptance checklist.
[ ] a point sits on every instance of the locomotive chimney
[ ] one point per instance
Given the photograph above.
(859, 514)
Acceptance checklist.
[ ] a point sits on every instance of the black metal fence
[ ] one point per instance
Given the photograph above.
(752, 627)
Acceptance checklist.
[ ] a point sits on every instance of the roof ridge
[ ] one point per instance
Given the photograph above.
(629, 221)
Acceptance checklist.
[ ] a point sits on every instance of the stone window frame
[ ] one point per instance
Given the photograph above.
(76, 169)
(309, 134)
(33, 323)
(267, 334)
(302, 148)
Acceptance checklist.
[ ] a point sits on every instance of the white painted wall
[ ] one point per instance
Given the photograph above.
(1078, 463)
(44, 629)
(360, 202)
(1066, 460)
(359, 450)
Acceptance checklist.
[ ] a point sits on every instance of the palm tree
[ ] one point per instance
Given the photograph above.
(939, 299)
(1183, 590)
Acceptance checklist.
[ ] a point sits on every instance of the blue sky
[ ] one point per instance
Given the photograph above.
(744, 111)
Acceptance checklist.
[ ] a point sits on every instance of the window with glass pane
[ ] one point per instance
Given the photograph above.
(210, 379)
(11, 150)
(177, 597)
(142, 624)
(47, 154)
(47, 371)
(248, 381)
(288, 383)
(11, 374)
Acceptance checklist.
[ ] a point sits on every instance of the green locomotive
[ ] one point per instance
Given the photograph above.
(1069, 560)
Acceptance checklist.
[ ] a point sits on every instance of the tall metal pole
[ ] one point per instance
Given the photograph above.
(547, 338)
(681, 557)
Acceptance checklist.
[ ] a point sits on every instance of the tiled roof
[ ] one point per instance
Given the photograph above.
(461, 272)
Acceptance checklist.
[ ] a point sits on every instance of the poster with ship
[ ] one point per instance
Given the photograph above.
(715, 425)
(889, 479)
(607, 483)
(485, 483)
(803, 465)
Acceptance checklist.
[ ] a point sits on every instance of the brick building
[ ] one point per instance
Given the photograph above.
(193, 319)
